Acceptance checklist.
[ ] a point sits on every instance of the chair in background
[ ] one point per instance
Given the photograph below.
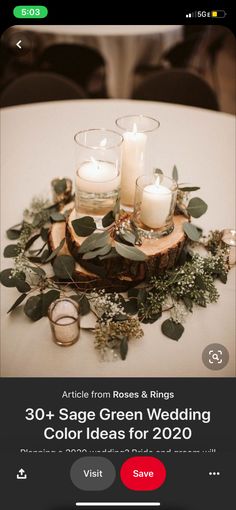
(82, 64)
(209, 51)
(38, 87)
(199, 50)
(177, 86)
(179, 55)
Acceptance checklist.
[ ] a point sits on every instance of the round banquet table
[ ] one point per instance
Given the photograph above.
(37, 145)
(122, 47)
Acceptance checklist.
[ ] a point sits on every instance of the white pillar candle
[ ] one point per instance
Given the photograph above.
(132, 163)
(155, 206)
(97, 176)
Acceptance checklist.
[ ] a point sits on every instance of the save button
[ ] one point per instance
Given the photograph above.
(143, 473)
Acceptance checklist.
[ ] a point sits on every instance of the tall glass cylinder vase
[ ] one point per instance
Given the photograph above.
(139, 152)
(98, 166)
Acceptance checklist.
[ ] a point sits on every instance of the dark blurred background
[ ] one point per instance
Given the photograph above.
(188, 65)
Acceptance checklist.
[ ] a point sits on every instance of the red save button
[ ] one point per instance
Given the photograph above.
(143, 473)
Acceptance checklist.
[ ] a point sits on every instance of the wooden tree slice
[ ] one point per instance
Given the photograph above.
(161, 254)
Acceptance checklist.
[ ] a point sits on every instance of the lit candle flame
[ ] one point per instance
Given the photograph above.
(157, 181)
(135, 130)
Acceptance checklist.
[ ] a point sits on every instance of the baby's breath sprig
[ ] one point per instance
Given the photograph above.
(115, 328)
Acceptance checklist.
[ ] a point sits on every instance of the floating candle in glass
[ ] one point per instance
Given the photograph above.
(98, 164)
(97, 177)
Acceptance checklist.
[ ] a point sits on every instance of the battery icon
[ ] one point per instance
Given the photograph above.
(218, 14)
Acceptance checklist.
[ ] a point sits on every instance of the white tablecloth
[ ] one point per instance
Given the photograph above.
(37, 145)
(122, 47)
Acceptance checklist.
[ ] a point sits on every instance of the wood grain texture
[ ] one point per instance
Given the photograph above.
(161, 254)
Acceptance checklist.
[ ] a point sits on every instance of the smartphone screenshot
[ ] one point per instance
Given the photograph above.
(118, 251)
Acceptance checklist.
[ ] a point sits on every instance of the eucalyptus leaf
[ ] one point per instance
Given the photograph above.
(48, 298)
(223, 277)
(129, 237)
(19, 300)
(175, 174)
(188, 188)
(142, 294)
(172, 329)
(57, 217)
(35, 260)
(44, 233)
(13, 234)
(43, 257)
(7, 279)
(191, 231)
(95, 253)
(84, 305)
(111, 255)
(31, 241)
(37, 252)
(60, 186)
(133, 293)
(17, 281)
(124, 348)
(94, 268)
(94, 241)
(34, 307)
(12, 250)
(64, 266)
(108, 219)
(55, 252)
(197, 207)
(38, 270)
(129, 252)
(131, 306)
(22, 285)
(84, 226)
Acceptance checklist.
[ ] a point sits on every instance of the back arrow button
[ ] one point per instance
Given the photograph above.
(17, 42)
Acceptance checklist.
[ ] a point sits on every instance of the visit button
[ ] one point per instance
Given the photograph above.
(143, 473)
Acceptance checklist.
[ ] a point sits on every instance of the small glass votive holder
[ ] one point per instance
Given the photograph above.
(154, 206)
(138, 152)
(184, 194)
(64, 320)
(229, 240)
(98, 163)
(61, 189)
